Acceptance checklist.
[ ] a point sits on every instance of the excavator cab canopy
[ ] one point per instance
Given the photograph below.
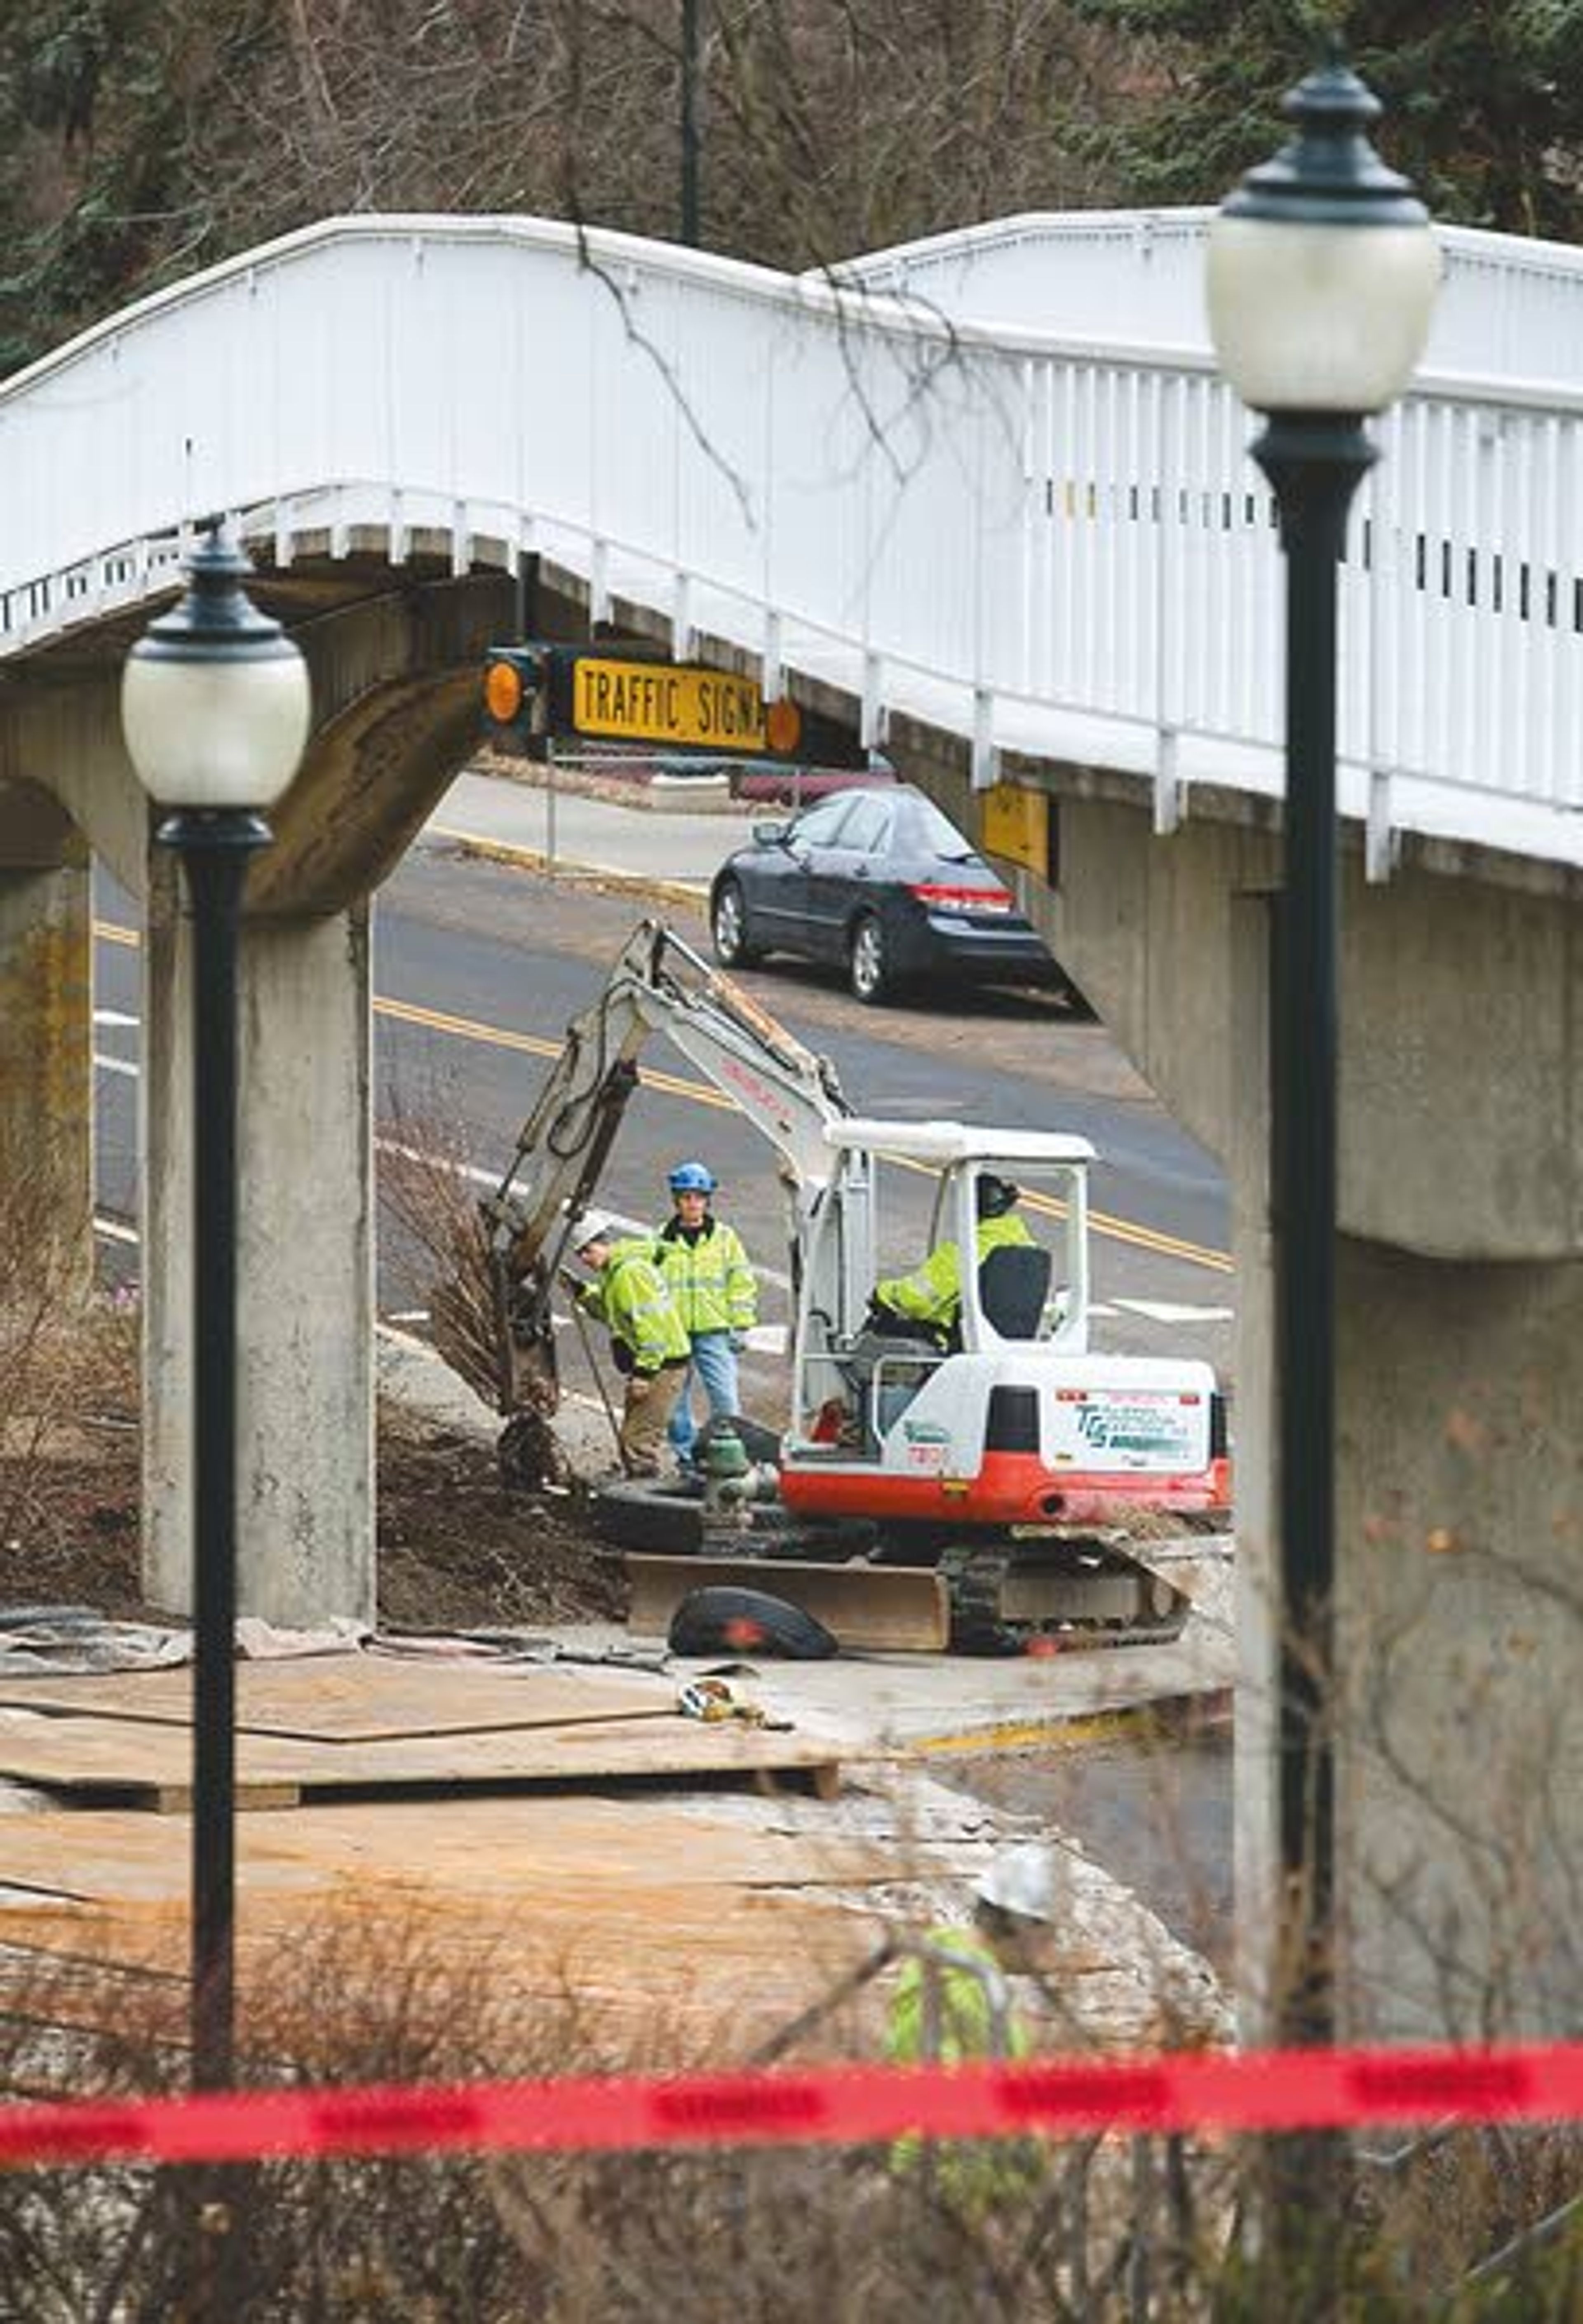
(898, 1192)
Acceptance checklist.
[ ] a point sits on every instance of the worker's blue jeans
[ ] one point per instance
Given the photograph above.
(713, 1366)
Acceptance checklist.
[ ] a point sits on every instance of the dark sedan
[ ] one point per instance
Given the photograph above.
(881, 884)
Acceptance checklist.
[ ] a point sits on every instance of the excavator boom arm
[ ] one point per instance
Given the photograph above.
(659, 985)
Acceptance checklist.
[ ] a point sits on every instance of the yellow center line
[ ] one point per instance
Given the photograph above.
(534, 1045)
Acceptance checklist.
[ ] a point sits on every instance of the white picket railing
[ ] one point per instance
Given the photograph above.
(1051, 544)
(1508, 309)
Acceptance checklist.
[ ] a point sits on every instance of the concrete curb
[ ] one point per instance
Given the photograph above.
(537, 859)
(660, 796)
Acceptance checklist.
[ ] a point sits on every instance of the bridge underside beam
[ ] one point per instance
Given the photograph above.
(396, 696)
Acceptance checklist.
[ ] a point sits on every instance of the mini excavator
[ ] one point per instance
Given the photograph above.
(971, 1493)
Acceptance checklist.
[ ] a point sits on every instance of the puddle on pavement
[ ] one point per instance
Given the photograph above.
(1155, 1811)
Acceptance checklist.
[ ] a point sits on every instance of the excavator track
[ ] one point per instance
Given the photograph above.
(1016, 1598)
(1005, 1597)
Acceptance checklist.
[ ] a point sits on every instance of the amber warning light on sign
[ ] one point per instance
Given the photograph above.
(502, 690)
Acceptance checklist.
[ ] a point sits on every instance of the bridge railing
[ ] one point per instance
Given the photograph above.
(1046, 546)
(1510, 309)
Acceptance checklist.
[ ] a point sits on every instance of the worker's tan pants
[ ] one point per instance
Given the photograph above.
(646, 1416)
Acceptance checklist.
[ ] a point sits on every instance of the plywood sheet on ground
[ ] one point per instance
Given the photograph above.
(618, 1969)
(357, 1698)
(88, 1756)
(546, 1932)
(468, 1846)
(654, 1926)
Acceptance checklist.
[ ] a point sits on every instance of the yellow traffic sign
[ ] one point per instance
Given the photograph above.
(668, 702)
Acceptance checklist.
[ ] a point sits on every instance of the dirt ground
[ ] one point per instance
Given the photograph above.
(454, 1549)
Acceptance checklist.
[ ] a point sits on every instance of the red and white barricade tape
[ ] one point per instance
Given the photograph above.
(1209, 2092)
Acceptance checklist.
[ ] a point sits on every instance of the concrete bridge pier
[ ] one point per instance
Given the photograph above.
(395, 688)
(1457, 1718)
(46, 1053)
(305, 1297)
(1460, 1623)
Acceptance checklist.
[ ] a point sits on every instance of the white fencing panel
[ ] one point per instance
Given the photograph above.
(1510, 309)
(1055, 546)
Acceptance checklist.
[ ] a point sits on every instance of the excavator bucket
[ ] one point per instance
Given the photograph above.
(890, 1607)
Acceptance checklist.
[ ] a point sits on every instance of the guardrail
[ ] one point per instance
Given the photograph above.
(1046, 545)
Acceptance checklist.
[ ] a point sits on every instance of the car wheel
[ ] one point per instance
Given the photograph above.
(729, 927)
(868, 963)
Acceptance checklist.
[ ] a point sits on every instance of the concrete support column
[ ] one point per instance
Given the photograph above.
(1258, 1736)
(47, 1079)
(305, 1264)
(1461, 1642)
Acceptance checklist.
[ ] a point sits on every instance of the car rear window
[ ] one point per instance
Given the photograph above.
(938, 834)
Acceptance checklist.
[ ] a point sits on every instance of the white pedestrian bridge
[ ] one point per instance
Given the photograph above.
(989, 480)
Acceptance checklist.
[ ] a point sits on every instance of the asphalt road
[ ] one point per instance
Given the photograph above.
(479, 966)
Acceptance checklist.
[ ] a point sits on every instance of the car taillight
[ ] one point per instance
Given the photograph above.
(934, 897)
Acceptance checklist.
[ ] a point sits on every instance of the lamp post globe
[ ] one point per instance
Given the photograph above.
(1322, 278)
(1322, 265)
(215, 710)
(215, 697)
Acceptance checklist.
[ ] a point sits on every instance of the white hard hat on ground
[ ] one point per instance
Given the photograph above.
(1025, 1880)
(594, 1226)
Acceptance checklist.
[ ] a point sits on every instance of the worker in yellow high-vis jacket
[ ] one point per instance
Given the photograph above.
(648, 1340)
(927, 1303)
(716, 1291)
(952, 2006)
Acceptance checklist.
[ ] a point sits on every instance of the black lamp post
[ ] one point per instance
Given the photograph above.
(1321, 280)
(214, 707)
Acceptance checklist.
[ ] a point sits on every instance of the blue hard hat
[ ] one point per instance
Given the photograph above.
(691, 1178)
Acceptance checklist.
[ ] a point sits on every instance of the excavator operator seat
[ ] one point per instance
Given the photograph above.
(1013, 1283)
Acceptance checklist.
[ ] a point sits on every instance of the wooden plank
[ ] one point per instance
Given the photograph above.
(887, 1609)
(706, 1922)
(362, 1698)
(482, 1848)
(626, 1973)
(96, 1756)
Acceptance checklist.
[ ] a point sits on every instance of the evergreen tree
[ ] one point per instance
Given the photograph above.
(1485, 97)
(89, 149)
